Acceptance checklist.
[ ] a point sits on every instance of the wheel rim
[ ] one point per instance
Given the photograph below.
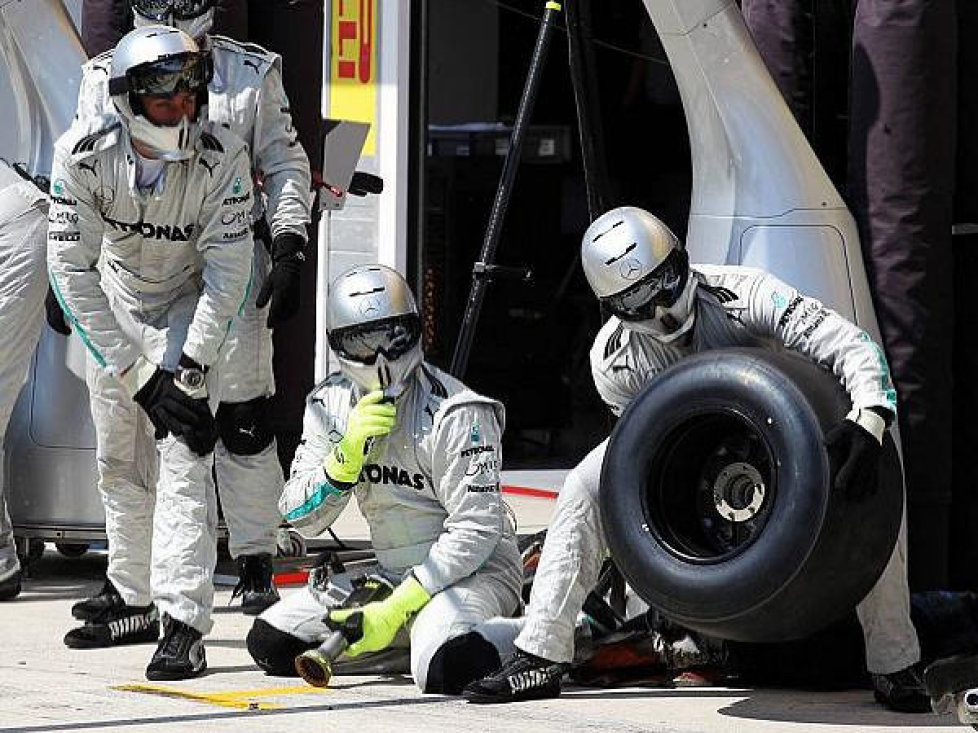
(711, 487)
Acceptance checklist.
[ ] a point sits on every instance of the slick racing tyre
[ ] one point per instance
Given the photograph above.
(71, 549)
(717, 504)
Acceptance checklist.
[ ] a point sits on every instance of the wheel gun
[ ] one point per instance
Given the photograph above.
(316, 665)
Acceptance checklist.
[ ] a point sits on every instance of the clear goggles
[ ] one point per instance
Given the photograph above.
(391, 338)
(165, 10)
(660, 288)
(165, 77)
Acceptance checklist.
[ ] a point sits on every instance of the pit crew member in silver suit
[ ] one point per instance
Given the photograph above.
(246, 96)
(421, 453)
(663, 310)
(149, 252)
(23, 281)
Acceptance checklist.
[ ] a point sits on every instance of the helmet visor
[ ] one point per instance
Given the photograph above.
(166, 10)
(661, 287)
(392, 338)
(189, 71)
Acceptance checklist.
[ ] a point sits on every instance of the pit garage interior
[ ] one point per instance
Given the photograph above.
(468, 66)
(836, 62)
(532, 343)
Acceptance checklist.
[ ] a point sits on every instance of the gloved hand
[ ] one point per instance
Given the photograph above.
(282, 284)
(171, 410)
(371, 417)
(854, 447)
(383, 619)
(201, 437)
(363, 183)
(55, 316)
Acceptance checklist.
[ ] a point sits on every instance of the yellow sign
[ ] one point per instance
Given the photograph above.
(353, 65)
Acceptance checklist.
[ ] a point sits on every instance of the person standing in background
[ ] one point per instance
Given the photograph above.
(23, 282)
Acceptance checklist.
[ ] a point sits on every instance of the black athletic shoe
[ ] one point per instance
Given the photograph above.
(90, 608)
(523, 677)
(116, 626)
(903, 691)
(10, 587)
(180, 654)
(255, 584)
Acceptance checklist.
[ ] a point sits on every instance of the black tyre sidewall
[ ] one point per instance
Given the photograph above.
(766, 592)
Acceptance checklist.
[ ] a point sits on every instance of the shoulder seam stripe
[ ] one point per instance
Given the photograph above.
(210, 142)
(614, 341)
(437, 387)
(253, 49)
(722, 294)
(87, 143)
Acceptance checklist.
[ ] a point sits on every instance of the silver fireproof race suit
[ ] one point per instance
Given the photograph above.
(735, 306)
(151, 274)
(430, 492)
(247, 97)
(23, 282)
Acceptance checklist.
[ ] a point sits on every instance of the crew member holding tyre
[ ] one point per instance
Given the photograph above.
(664, 310)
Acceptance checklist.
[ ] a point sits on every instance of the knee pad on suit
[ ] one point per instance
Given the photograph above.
(275, 651)
(459, 661)
(243, 426)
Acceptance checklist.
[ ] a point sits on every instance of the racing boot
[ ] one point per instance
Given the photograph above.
(89, 608)
(117, 625)
(180, 654)
(255, 583)
(903, 691)
(523, 677)
(10, 586)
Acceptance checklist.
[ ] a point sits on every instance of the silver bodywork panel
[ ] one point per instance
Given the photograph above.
(760, 196)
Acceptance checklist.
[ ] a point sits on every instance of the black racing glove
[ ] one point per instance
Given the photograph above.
(282, 284)
(363, 183)
(202, 437)
(854, 459)
(171, 410)
(55, 316)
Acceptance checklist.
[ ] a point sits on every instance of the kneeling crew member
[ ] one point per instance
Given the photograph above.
(421, 453)
(664, 310)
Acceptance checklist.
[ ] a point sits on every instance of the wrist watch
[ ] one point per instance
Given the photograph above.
(189, 379)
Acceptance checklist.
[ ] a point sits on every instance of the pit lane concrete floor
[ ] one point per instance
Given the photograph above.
(45, 687)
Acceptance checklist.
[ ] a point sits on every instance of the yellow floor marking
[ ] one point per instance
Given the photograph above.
(231, 699)
(275, 691)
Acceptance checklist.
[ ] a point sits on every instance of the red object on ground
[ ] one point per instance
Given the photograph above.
(297, 577)
(527, 491)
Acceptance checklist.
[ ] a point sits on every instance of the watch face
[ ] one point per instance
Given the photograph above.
(192, 378)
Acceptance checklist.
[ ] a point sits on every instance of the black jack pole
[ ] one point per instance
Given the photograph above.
(484, 269)
(580, 55)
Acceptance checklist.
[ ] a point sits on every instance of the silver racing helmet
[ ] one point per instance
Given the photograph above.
(159, 61)
(639, 270)
(193, 17)
(374, 327)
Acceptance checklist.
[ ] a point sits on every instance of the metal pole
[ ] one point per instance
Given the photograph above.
(580, 55)
(418, 134)
(482, 270)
